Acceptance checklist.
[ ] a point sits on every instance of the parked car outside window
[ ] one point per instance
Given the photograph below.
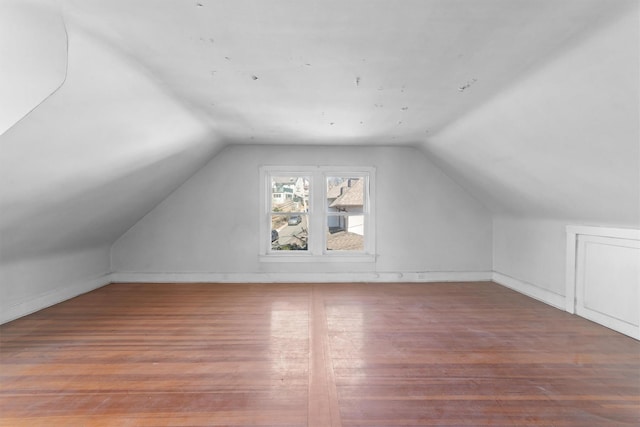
(295, 219)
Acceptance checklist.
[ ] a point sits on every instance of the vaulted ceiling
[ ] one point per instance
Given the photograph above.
(334, 72)
(106, 106)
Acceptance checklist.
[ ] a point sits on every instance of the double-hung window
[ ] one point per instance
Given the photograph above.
(317, 213)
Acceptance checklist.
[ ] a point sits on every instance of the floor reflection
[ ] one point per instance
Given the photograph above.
(289, 344)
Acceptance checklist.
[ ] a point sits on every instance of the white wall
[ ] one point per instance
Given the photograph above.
(427, 226)
(94, 157)
(30, 284)
(33, 47)
(563, 142)
(560, 147)
(85, 164)
(529, 256)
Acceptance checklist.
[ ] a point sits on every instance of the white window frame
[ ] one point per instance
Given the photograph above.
(318, 214)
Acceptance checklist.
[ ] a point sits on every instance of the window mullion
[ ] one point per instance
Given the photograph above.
(316, 214)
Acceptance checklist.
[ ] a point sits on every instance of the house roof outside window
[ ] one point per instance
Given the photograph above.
(351, 193)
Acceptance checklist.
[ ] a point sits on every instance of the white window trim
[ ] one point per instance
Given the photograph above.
(316, 251)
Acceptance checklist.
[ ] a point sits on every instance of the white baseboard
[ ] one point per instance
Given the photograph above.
(425, 276)
(53, 297)
(530, 290)
(59, 295)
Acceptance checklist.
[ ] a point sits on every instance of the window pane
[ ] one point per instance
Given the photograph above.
(345, 194)
(345, 233)
(289, 232)
(289, 194)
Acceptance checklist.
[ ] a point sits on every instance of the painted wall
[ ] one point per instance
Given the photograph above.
(85, 163)
(559, 148)
(529, 255)
(208, 228)
(33, 47)
(30, 284)
(563, 142)
(94, 157)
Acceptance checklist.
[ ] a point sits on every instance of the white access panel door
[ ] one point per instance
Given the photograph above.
(608, 282)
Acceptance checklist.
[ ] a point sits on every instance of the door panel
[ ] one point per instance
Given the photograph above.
(608, 282)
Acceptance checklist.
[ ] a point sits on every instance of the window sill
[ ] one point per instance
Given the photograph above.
(333, 257)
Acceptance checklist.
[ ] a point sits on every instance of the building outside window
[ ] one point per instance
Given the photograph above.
(317, 212)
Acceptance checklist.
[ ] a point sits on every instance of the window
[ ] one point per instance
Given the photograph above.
(317, 213)
(345, 212)
(289, 212)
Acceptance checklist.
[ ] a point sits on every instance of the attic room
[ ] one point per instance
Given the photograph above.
(320, 213)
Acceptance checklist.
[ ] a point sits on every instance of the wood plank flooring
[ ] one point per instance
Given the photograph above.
(426, 354)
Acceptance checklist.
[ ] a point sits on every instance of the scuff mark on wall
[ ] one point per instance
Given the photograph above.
(467, 85)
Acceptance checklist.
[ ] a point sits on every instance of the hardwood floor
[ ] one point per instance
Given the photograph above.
(436, 354)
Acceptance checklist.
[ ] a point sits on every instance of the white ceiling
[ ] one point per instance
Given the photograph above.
(109, 105)
(44, 68)
(335, 72)
(562, 143)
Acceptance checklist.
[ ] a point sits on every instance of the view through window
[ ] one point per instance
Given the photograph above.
(289, 213)
(345, 213)
(320, 212)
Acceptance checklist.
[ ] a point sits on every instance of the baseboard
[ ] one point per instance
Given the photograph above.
(530, 290)
(59, 295)
(425, 276)
(50, 298)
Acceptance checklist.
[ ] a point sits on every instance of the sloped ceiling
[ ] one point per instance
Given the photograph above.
(128, 98)
(335, 72)
(95, 155)
(564, 141)
(27, 80)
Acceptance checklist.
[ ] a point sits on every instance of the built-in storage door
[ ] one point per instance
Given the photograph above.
(607, 282)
